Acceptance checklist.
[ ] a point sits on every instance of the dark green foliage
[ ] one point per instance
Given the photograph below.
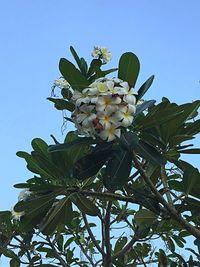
(129, 67)
(124, 185)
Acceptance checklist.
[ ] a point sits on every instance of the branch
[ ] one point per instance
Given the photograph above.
(91, 235)
(164, 181)
(126, 248)
(101, 195)
(108, 258)
(57, 255)
(84, 251)
(173, 212)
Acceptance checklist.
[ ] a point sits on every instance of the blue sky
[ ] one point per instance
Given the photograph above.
(165, 36)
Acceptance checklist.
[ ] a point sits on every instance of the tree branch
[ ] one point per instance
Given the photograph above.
(91, 235)
(108, 259)
(101, 195)
(164, 181)
(172, 211)
(85, 252)
(126, 248)
(57, 255)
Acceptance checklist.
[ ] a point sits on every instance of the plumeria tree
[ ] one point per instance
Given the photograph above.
(116, 191)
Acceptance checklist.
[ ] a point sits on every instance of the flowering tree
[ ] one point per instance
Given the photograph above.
(116, 192)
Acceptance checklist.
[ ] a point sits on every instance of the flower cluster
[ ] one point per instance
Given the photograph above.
(103, 108)
(61, 83)
(102, 53)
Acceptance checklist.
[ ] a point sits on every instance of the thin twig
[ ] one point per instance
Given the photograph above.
(57, 255)
(84, 251)
(126, 248)
(101, 195)
(91, 235)
(164, 181)
(108, 259)
(172, 211)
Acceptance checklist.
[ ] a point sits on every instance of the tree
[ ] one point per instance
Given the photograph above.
(117, 185)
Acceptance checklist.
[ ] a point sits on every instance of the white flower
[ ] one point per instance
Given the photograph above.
(129, 96)
(106, 119)
(103, 108)
(61, 83)
(109, 134)
(125, 115)
(80, 98)
(17, 214)
(86, 116)
(107, 101)
(102, 53)
(24, 194)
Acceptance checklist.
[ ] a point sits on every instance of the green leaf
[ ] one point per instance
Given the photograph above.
(190, 151)
(72, 75)
(14, 262)
(68, 213)
(106, 72)
(84, 204)
(8, 253)
(178, 139)
(129, 140)
(163, 258)
(80, 61)
(161, 117)
(129, 67)
(90, 164)
(144, 218)
(142, 107)
(146, 200)
(54, 217)
(190, 179)
(33, 165)
(118, 169)
(192, 128)
(76, 57)
(94, 66)
(36, 206)
(150, 153)
(76, 142)
(144, 88)
(62, 104)
(40, 146)
(121, 242)
(66, 93)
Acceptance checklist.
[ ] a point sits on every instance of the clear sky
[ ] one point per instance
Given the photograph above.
(165, 35)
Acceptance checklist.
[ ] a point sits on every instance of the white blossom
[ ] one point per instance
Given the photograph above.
(109, 134)
(16, 215)
(103, 108)
(61, 83)
(125, 115)
(102, 53)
